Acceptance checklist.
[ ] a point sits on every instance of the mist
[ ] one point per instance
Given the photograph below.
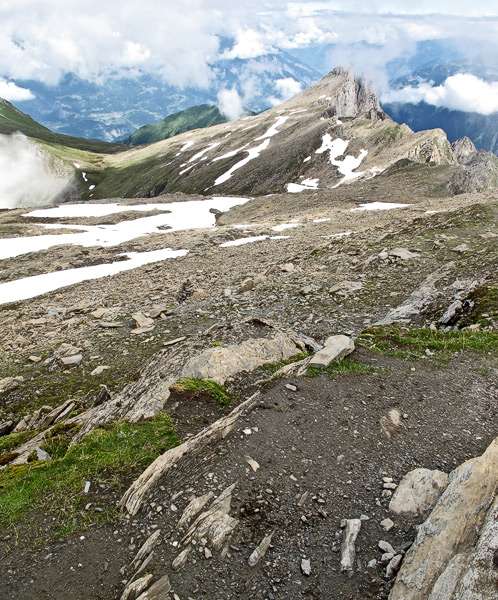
(28, 177)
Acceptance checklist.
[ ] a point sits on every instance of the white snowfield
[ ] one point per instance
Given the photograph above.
(180, 216)
(251, 240)
(306, 184)
(348, 165)
(30, 287)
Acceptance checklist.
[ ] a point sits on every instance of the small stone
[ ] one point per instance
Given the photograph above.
(207, 553)
(306, 566)
(291, 387)
(72, 361)
(393, 566)
(372, 564)
(387, 524)
(99, 370)
(386, 547)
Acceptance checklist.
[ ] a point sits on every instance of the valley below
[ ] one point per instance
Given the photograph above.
(282, 386)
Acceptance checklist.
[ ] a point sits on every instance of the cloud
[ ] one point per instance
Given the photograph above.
(230, 103)
(12, 92)
(462, 92)
(179, 41)
(28, 176)
(286, 88)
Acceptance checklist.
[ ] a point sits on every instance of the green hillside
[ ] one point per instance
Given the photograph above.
(12, 120)
(196, 117)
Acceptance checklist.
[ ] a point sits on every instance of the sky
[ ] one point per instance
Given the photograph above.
(179, 40)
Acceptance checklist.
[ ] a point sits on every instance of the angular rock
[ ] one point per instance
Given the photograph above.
(135, 588)
(261, 550)
(336, 348)
(458, 540)
(418, 491)
(157, 591)
(71, 361)
(348, 549)
(306, 566)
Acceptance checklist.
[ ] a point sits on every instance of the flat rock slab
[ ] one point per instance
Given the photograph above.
(219, 364)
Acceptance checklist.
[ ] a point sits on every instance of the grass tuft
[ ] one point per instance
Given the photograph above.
(414, 343)
(204, 387)
(103, 457)
(347, 366)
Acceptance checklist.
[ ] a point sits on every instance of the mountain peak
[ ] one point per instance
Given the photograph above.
(343, 94)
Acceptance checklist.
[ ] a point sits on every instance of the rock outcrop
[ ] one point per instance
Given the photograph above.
(454, 554)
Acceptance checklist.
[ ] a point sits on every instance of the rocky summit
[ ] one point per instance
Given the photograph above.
(253, 360)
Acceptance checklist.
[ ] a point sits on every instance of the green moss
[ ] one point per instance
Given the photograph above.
(347, 366)
(106, 456)
(485, 309)
(415, 342)
(201, 387)
(8, 442)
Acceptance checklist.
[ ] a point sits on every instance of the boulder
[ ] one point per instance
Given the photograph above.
(336, 348)
(221, 363)
(453, 554)
(418, 491)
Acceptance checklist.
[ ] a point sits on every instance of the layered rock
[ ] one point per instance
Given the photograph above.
(454, 554)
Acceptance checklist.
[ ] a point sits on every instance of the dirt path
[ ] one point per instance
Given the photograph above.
(324, 439)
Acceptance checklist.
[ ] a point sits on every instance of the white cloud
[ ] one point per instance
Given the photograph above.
(12, 92)
(285, 88)
(248, 44)
(44, 39)
(230, 104)
(463, 92)
(28, 177)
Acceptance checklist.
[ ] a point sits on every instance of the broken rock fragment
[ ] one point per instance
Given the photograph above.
(336, 348)
(348, 548)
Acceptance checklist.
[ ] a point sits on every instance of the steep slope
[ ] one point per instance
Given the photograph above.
(196, 117)
(331, 134)
(12, 120)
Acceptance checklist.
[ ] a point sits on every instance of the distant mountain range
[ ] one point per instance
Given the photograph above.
(116, 108)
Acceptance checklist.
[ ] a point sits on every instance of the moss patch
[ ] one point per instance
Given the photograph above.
(106, 456)
(203, 387)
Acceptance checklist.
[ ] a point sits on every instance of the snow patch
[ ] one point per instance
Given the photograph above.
(306, 184)
(379, 206)
(30, 287)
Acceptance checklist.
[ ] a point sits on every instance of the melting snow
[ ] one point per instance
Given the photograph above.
(252, 153)
(193, 214)
(204, 151)
(307, 159)
(251, 240)
(30, 287)
(349, 164)
(284, 226)
(185, 147)
(306, 184)
(273, 129)
(379, 206)
(230, 154)
(324, 220)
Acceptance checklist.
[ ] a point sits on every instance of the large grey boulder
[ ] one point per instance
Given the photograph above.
(336, 348)
(418, 491)
(453, 555)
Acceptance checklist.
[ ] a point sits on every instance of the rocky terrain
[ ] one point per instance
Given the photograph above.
(258, 390)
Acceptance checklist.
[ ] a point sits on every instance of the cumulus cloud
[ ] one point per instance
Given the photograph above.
(285, 88)
(179, 41)
(230, 103)
(28, 177)
(463, 92)
(14, 93)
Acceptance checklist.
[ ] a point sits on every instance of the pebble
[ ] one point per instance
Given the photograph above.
(306, 566)
(387, 524)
